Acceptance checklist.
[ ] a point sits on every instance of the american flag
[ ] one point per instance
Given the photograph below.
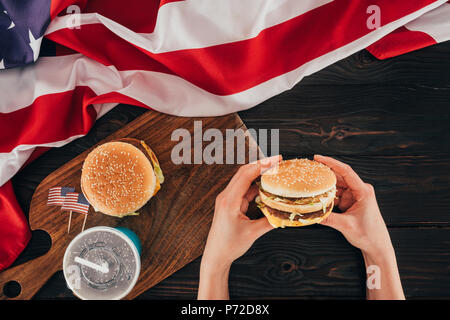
(185, 58)
(57, 195)
(75, 202)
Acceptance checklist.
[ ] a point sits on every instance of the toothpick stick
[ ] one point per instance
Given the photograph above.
(70, 219)
(84, 222)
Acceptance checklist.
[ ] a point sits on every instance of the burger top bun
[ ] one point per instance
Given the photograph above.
(298, 178)
(117, 178)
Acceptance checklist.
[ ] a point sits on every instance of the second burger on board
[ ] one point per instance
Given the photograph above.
(120, 177)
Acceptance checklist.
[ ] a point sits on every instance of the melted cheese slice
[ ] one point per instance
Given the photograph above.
(156, 168)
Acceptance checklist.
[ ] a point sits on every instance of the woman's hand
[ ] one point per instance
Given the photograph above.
(232, 233)
(363, 226)
(361, 223)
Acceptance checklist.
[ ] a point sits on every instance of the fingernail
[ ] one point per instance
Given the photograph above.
(268, 161)
(278, 157)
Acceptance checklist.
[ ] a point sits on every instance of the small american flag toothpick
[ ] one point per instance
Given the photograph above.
(78, 203)
(56, 195)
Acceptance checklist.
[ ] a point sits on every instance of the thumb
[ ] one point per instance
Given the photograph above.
(336, 221)
(260, 227)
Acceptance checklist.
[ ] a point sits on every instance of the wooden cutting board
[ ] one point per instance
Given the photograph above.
(172, 227)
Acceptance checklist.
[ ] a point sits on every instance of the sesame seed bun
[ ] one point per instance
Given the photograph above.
(118, 177)
(298, 178)
(297, 192)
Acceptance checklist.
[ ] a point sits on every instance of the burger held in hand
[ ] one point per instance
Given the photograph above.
(120, 177)
(296, 193)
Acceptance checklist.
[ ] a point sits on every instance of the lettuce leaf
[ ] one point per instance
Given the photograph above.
(129, 214)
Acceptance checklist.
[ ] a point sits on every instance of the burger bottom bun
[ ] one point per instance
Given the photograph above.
(281, 223)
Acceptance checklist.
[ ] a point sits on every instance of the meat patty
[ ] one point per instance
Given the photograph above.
(286, 215)
(304, 200)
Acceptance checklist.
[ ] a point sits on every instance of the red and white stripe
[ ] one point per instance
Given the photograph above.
(431, 28)
(200, 58)
(71, 204)
(54, 197)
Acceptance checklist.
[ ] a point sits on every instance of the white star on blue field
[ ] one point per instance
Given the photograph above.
(22, 26)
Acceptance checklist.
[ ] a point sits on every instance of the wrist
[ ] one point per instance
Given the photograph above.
(213, 282)
(383, 278)
(382, 257)
(214, 266)
(378, 250)
(377, 255)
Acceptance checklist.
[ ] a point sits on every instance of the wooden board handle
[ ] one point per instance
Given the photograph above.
(31, 275)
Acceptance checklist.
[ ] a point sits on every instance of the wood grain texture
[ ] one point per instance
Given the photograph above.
(357, 120)
(427, 67)
(317, 262)
(313, 263)
(172, 227)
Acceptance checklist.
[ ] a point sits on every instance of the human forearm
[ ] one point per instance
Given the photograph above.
(213, 280)
(384, 266)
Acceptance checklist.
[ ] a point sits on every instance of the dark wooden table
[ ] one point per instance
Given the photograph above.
(390, 120)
